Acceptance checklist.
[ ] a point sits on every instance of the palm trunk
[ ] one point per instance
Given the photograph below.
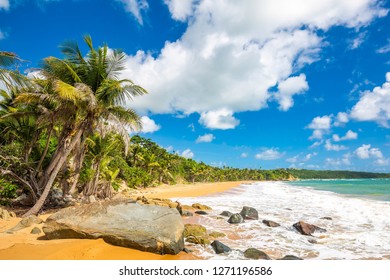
(59, 158)
(79, 164)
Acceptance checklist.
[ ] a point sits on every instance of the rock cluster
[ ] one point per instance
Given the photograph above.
(6, 215)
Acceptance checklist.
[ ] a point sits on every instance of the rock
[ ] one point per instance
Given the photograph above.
(201, 206)
(326, 218)
(186, 250)
(219, 247)
(235, 219)
(23, 200)
(249, 213)
(307, 229)
(201, 212)
(123, 223)
(290, 258)
(201, 240)
(270, 223)
(4, 214)
(187, 214)
(36, 230)
(91, 199)
(312, 241)
(226, 214)
(12, 214)
(194, 230)
(216, 234)
(26, 222)
(255, 254)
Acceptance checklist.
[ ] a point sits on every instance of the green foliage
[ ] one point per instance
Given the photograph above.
(7, 191)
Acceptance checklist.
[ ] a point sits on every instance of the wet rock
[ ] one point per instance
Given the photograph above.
(201, 212)
(201, 206)
(226, 214)
(312, 241)
(249, 213)
(151, 228)
(235, 219)
(194, 230)
(270, 223)
(290, 258)
(216, 234)
(307, 229)
(219, 247)
(36, 230)
(255, 254)
(187, 214)
(201, 240)
(326, 218)
(186, 250)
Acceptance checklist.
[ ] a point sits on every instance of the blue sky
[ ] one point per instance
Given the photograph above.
(278, 83)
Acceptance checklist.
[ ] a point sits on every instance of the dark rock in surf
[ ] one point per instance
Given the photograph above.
(235, 219)
(249, 213)
(226, 214)
(201, 212)
(290, 258)
(307, 229)
(255, 254)
(270, 223)
(219, 247)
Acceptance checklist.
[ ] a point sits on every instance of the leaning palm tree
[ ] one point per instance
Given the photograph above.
(83, 92)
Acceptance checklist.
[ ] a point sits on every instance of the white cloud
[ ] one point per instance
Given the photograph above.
(341, 119)
(293, 159)
(334, 147)
(288, 88)
(365, 152)
(355, 43)
(320, 126)
(244, 155)
(170, 149)
(232, 53)
(135, 7)
(270, 154)
(385, 48)
(219, 119)
(207, 138)
(2, 34)
(309, 156)
(4, 4)
(374, 105)
(187, 153)
(149, 125)
(181, 9)
(350, 135)
(300, 158)
(344, 161)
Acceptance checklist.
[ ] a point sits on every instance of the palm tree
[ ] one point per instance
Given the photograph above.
(83, 93)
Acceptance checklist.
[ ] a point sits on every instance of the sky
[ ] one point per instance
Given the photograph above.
(250, 84)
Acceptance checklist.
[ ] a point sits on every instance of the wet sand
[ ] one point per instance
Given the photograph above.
(22, 245)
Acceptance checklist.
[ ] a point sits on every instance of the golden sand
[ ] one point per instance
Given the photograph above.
(22, 245)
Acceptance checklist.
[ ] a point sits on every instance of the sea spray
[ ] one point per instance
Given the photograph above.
(359, 228)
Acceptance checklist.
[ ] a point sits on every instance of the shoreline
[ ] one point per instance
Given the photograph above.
(22, 245)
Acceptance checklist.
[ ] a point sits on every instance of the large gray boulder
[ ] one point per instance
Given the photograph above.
(148, 228)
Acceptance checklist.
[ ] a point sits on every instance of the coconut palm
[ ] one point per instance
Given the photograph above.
(83, 92)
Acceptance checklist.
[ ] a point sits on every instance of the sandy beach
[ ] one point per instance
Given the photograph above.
(22, 245)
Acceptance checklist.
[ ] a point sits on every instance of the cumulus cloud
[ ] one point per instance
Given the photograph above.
(329, 146)
(219, 119)
(135, 7)
(232, 53)
(181, 9)
(300, 158)
(341, 119)
(187, 153)
(374, 105)
(320, 126)
(149, 125)
(337, 162)
(350, 135)
(288, 88)
(269, 154)
(4, 4)
(207, 138)
(365, 152)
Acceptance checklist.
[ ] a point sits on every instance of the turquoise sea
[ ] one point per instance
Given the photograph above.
(378, 189)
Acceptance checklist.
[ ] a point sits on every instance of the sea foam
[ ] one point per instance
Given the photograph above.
(359, 229)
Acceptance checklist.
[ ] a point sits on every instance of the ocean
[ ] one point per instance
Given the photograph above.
(359, 227)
